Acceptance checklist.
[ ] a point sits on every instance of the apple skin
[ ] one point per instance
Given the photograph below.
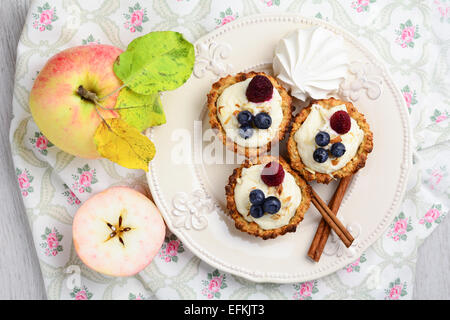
(66, 119)
(141, 244)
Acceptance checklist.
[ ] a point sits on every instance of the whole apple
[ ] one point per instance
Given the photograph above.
(64, 116)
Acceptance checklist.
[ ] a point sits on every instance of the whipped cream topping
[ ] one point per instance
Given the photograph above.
(311, 62)
(319, 120)
(289, 194)
(234, 100)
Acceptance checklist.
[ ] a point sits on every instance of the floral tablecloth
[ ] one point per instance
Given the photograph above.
(411, 37)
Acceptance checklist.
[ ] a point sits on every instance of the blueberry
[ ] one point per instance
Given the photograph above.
(262, 120)
(245, 117)
(256, 211)
(320, 155)
(257, 197)
(245, 131)
(322, 138)
(271, 205)
(337, 149)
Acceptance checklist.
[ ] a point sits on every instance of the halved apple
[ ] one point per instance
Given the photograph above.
(118, 232)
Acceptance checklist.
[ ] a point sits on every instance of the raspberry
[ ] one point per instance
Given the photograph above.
(272, 174)
(340, 122)
(259, 89)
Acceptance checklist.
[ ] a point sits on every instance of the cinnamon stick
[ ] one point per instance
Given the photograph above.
(323, 229)
(332, 220)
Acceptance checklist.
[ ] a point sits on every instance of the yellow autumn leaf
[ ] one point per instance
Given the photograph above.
(123, 144)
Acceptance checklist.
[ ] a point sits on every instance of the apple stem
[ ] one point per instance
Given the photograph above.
(86, 94)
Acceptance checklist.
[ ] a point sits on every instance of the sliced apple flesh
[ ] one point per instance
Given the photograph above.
(118, 232)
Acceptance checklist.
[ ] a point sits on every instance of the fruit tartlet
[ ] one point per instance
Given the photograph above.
(266, 198)
(329, 139)
(250, 110)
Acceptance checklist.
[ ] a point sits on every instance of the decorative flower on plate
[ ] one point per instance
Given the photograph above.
(335, 246)
(365, 77)
(209, 57)
(190, 210)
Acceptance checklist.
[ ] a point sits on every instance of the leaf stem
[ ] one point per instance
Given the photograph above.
(110, 94)
(103, 119)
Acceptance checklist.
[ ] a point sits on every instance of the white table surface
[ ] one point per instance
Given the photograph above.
(20, 275)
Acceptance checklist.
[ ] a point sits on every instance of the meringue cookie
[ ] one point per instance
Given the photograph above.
(311, 63)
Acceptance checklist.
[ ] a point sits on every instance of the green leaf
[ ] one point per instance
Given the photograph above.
(408, 23)
(143, 111)
(123, 144)
(157, 61)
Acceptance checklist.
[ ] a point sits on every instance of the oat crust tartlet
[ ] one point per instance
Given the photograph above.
(252, 227)
(356, 163)
(223, 83)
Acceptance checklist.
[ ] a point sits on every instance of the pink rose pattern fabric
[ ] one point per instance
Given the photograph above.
(44, 17)
(396, 290)
(399, 228)
(45, 173)
(84, 179)
(213, 286)
(170, 249)
(356, 266)
(41, 143)
(135, 17)
(410, 97)
(362, 5)
(305, 290)
(52, 242)
(226, 17)
(81, 293)
(434, 215)
(24, 179)
(407, 33)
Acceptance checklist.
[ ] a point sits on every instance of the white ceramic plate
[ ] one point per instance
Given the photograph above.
(190, 191)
